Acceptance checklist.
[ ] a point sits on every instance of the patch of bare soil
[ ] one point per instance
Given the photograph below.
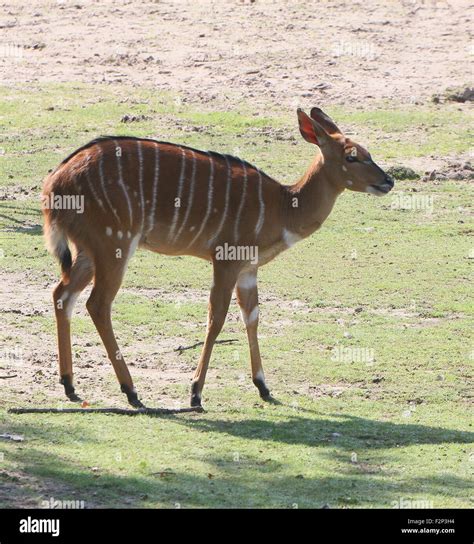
(451, 169)
(266, 52)
(328, 390)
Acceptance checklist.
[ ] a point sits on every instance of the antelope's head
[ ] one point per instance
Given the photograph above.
(349, 165)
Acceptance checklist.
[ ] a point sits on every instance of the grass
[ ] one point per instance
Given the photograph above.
(348, 430)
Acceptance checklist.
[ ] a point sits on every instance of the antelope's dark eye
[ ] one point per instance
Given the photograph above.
(351, 158)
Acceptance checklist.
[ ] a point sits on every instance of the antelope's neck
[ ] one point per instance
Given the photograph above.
(311, 200)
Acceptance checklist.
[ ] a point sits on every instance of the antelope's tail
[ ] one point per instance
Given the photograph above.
(56, 239)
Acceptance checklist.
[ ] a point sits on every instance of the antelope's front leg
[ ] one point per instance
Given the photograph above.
(225, 276)
(247, 297)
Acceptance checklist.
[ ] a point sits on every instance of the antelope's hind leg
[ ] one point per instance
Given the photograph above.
(107, 280)
(64, 297)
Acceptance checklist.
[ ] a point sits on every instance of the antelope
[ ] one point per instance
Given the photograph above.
(177, 200)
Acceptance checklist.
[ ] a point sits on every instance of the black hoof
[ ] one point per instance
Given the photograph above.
(196, 401)
(69, 388)
(132, 396)
(195, 396)
(262, 389)
(136, 403)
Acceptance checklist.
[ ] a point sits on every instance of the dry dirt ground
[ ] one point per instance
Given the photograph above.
(265, 52)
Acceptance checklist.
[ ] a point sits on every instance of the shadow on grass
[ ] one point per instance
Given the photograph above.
(16, 217)
(340, 431)
(238, 485)
(34, 230)
(253, 482)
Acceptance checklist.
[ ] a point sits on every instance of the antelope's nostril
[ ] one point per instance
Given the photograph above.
(389, 181)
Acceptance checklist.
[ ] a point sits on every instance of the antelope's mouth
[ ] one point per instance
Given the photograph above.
(380, 190)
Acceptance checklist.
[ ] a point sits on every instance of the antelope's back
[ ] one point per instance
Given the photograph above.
(176, 198)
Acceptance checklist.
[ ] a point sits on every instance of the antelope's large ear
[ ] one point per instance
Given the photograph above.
(311, 131)
(325, 121)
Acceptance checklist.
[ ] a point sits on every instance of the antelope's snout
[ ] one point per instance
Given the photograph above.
(382, 188)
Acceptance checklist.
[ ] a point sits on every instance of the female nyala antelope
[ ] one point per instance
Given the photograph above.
(176, 200)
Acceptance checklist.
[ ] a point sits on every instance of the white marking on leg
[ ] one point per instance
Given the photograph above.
(119, 234)
(290, 238)
(226, 204)
(241, 206)
(190, 197)
(260, 376)
(251, 317)
(122, 184)
(69, 307)
(178, 196)
(151, 217)
(140, 182)
(65, 296)
(210, 191)
(247, 280)
(261, 213)
(102, 183)
(131, 250)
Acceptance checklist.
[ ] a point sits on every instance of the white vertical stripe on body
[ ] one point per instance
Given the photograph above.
(102, 184)
(261, 213)
(226, 204)
(241, 206)
(180, 190)
(122, 184)
(140, 183)
(190, 197)
(210, 191)
(156, 177)
(93, 191)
